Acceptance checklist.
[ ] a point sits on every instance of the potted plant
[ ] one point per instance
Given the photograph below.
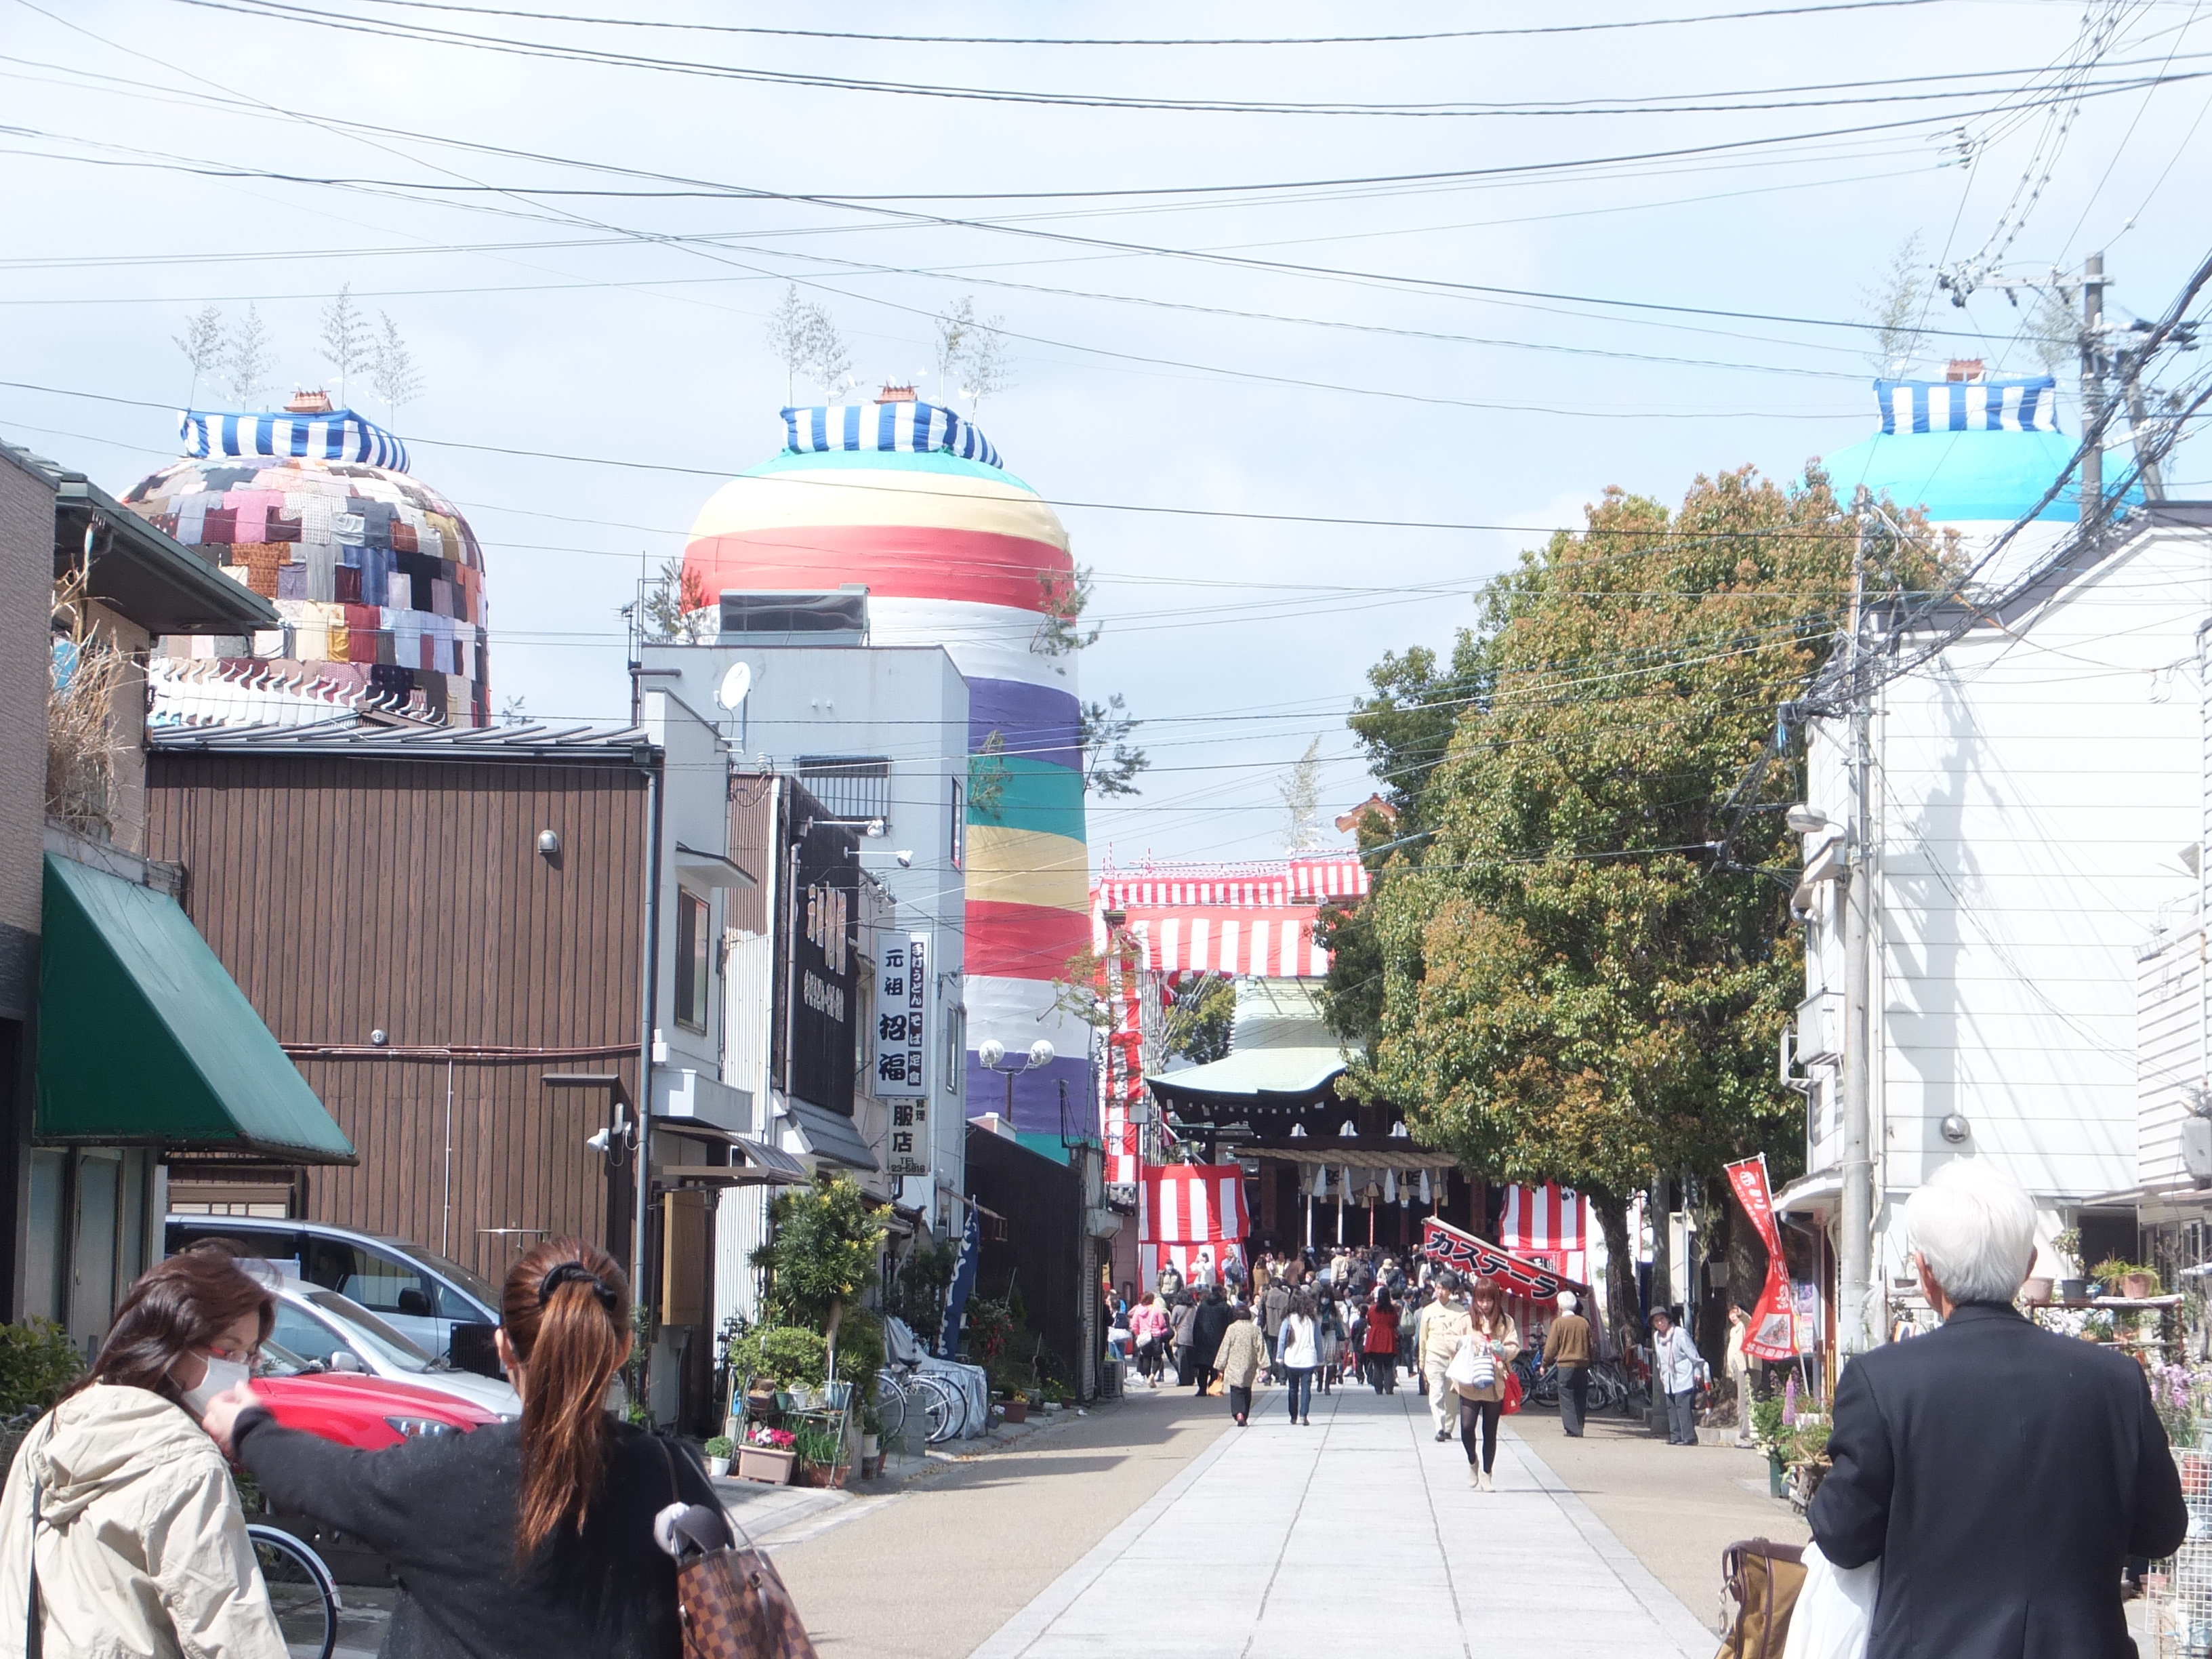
(1017, 1407)
(718, 1455)
(2067, 1247)
(2130, 1280)
(767, 1455)
(820, 1455)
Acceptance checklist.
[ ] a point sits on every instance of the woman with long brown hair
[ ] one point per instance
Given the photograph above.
(1494, 1333)
(120, 1531)
(531, 1538)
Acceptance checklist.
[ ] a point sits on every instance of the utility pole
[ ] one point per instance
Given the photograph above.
(2093, 386)
(1857, 1265)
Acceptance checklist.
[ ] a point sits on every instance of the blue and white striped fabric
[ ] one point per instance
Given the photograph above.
(919, 428)
(2026, 405)
(340, 435)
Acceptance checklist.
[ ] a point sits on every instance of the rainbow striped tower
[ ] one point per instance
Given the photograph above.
(910, 500)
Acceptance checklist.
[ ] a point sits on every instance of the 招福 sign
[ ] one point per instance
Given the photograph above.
(900, 1068)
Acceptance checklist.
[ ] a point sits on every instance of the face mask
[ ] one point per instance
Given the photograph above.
(223, 1375)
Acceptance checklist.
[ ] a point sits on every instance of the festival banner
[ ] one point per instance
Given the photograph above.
(1772, 1332)
(1441, 1241)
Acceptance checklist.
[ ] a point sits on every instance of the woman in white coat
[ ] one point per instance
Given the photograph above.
(122, 1503)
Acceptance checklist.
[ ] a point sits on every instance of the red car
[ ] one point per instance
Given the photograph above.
(355, 1409)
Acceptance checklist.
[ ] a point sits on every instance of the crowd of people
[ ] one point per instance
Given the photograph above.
(1315, 1323)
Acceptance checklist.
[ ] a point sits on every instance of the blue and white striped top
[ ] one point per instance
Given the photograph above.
(2022, 405)
(339, 435)
(916, 427)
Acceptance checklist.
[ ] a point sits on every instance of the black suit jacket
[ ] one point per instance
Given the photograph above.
(2002, 1475)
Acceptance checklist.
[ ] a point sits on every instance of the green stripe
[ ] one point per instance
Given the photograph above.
(1034, 794)
(884, 460)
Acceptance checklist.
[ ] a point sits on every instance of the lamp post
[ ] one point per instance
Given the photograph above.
(992, 1055)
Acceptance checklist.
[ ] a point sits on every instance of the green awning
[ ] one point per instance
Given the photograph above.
(144, 1040)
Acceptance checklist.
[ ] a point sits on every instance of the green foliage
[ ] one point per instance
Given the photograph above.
(2111, 1270)
(1766, 1425)
(1202, 1017)
(721, 1446)
(1572, 990)
(784, 1354)
(37, 1362)
(860, 1349)
(987, 776)
(990, 1322)
(1110, 764)
(916, 1292)
(823, 1251)
(824, 1448)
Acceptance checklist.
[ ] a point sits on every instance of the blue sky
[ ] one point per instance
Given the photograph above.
(1171, 369)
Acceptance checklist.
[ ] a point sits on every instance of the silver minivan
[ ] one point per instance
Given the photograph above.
(417, 1293)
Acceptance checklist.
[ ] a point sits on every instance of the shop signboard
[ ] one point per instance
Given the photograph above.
(899, 1071)
(825, 961)
(1772, 1332)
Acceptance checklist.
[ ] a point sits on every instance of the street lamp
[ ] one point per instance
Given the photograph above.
(991, 1055)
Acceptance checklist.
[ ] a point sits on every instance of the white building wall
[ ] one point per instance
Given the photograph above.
(2032, 790)
(2170, 1040)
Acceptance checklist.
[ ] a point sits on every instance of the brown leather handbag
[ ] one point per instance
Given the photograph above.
(732, 1600)
(1763, 1578)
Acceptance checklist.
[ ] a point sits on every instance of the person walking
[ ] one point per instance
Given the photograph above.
(1330, 1317)
(1380, 1346)
(522, 1540)
(2001, 1475)
(1209, 1323)
(1181, 1334)
(119, 1500)
(1148, 1326)
(1439, 1329)
(1243, 1350)
(1274, 1306)
(1569, 1346)
(1491, 1330)
(1675, 1365)
(1299, 1350)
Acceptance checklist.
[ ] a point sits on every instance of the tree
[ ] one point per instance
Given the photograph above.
(202, 342)
(805, 340)
(972, 360)
(1200, 1016)
(822, 1251)
(673, 602)
(1570, 990)
(392, 370)
(1064, 597)
(247, 359)
(1895, 308)
(2053, 329)
(989, 775)
(1109, 764)
(347, 339)
(1300, 793)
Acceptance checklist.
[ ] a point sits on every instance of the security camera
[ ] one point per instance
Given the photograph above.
(905, 860)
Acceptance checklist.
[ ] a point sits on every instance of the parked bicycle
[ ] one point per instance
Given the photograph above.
(301, 1589)
(904, 1391)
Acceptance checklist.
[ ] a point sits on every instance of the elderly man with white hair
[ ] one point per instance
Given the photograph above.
(1568, 1345)
(2000, 1474)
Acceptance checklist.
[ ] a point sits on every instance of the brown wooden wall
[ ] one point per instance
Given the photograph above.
(346, 895)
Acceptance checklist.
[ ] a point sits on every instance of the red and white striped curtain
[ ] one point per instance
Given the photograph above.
(1182, 1208)
(1548, 1224)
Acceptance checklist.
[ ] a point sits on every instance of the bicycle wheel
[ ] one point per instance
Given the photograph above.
(890, 1403)
(300, 1590)
(948, 1412)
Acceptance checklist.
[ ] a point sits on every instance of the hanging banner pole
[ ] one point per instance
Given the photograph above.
(1771, 1333)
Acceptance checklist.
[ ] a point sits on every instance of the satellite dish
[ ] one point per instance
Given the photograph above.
(735, 684)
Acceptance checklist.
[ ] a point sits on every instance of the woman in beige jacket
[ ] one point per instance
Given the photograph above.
(123, 1503)
(1243, 1350)
(1491, 1330)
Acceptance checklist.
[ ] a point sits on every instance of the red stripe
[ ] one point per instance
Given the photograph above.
(1023, 941)
(976, 567)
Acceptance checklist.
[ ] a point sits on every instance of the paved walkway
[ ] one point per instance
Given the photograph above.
(1358, 1536)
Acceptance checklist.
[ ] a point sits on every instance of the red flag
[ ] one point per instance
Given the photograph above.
(1772, 1332)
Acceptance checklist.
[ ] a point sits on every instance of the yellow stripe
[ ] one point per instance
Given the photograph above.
(1025, 866)
(926, 501)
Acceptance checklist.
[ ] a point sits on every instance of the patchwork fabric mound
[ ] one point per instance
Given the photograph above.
(378, 579)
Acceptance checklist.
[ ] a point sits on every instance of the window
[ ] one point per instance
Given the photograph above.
(852, 788)
(380, 1283)
(958, 841)
(693, 926)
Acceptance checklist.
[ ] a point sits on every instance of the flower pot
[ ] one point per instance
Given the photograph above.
(1016, 1411)
(802, 1397)
(2136, 1286)
(1778, 1476)
(765, 1464)
(2073, 1290)
(718, 1467)
(2036, 1292)
(872, 1446)
(871, 1467)
(816, 1475)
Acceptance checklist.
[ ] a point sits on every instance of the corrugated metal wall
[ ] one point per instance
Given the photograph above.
(351, 895)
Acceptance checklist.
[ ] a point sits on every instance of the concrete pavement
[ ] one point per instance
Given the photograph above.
(1358, 1536)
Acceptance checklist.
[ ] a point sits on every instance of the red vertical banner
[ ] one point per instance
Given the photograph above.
(1772, 1333)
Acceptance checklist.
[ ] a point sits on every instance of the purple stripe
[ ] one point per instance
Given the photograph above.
(1037, 1095)
(1040, 722)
